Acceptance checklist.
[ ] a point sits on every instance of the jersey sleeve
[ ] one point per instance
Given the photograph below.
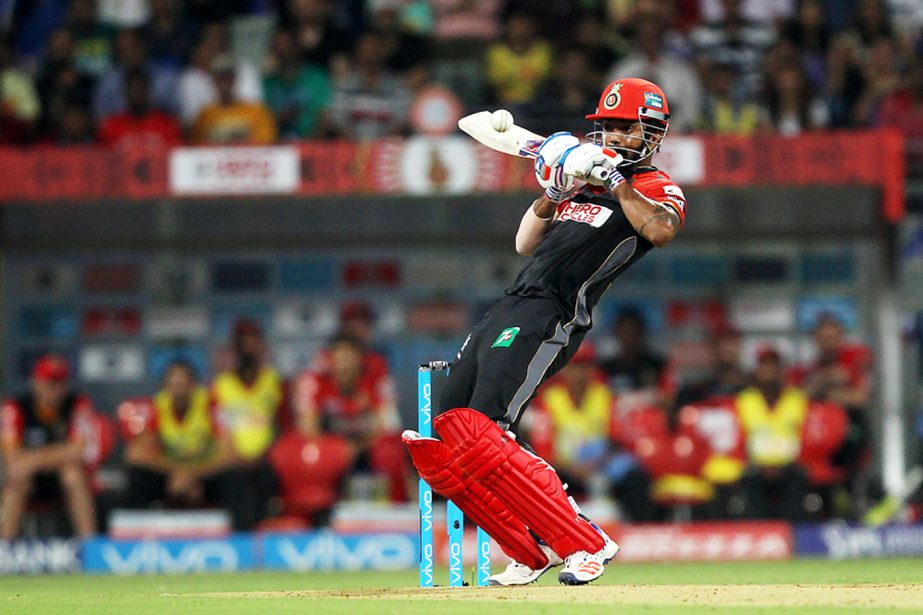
(662, 189)
(11, 424)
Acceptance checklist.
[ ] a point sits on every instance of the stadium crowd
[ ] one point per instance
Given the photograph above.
(623, 428)
(262, 71)
(775, 441)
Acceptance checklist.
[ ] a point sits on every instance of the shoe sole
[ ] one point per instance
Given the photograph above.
(496, 584)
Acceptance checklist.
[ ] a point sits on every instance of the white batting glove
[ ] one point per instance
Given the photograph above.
(580, 161)
(548, 171)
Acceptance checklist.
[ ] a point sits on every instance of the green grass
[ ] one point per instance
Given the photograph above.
(161, 595)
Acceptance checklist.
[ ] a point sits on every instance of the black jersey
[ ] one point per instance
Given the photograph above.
(591, 242)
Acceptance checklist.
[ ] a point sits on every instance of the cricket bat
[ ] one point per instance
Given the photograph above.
(515, 141)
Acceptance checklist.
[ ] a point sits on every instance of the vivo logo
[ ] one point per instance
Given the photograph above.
(484, 559)
(426, 507)
(426, 408)
(455, 563)
(157, 557)
(426, 566)
(326, 551)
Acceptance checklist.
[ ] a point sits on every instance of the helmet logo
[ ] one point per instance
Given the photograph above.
(652, 99)
(613, 98)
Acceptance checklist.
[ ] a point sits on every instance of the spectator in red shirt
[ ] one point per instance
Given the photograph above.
(841, 375)
(346, 400)
(140, 124)
(43, 435)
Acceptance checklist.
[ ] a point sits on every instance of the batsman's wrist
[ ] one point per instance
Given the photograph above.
(614, 180)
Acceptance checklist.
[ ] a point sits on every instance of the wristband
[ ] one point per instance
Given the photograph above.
(556, 195)
(615, 178)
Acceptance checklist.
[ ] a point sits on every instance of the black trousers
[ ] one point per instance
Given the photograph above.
(243, 492)
(777, 494)
(516, 346)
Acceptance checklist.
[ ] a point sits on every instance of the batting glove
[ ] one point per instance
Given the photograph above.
(548, 171)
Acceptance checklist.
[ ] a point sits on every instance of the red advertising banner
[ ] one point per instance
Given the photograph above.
(428, 166)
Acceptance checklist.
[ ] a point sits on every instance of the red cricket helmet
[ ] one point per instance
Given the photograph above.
(636, 100)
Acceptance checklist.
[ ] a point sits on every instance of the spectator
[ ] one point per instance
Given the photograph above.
(772, 416)
(60, 83)
(517, 66)
(635, 367)
(844, 84)
(871, 25)
(44, 449)
(33, 23)
(841, 375)
(809, 33)
(131, 54)
(726, 376)
(197, 87)
(790, 106)
(348, 401)
(599, 43)
(140, 125)
(169, 33)
(727, 110)
(248, 398)
(176, 451)
(369, 102)
(462, 29)
(881, 76)
(19, 102)
(736, 41)
(321, 41)
(572, 431)
(92, 39)
(648, 60)
(565, 98)
(407, 52)
(231, 121)
(297, 93)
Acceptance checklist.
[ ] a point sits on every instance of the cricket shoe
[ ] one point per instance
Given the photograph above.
(520, 574)
(581, 567)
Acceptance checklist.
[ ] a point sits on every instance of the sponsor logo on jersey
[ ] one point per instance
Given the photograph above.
(653, 100)
(506, 338)
(588, 213)
(613, 98)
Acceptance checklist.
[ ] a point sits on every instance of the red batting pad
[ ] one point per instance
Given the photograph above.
(437, 465)
(526, 484)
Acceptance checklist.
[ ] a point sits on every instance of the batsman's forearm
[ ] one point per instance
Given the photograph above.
(656, 222)
(535, 224)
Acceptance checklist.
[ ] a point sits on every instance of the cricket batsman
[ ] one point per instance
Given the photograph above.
(579, 238)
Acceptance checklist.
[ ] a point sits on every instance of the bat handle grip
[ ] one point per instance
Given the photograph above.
(598, 175)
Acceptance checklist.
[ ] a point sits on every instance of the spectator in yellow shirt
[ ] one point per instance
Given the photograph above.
(248, 398)
(517, 66)
(229, 121)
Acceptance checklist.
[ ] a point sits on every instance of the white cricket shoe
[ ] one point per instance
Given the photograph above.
(581, 567)
(520, 574)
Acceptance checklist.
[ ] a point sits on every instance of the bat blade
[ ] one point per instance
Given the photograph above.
(517, 141)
